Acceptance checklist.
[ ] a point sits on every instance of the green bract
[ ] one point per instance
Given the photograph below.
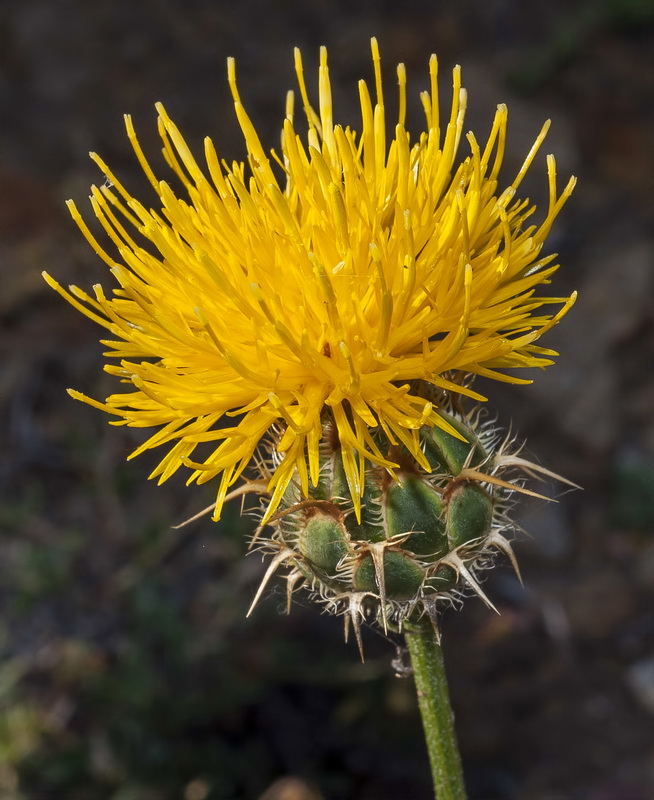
(422, 538)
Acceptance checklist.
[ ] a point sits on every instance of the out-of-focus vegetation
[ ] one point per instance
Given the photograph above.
(146, 681)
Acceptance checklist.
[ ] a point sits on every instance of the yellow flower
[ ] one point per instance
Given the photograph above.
(322, 279)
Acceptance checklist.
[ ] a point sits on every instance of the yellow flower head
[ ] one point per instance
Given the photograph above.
(322, 279)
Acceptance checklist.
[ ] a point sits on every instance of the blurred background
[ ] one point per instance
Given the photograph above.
(127, 668)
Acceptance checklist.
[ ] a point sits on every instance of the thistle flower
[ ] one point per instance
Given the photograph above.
(326, 281)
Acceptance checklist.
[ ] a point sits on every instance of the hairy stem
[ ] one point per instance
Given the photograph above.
(437, 717)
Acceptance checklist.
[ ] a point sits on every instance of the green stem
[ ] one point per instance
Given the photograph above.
(437, 717)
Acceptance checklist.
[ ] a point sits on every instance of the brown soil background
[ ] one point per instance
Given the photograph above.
(128, 670)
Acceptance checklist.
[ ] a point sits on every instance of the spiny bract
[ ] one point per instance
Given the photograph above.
(422, 538)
